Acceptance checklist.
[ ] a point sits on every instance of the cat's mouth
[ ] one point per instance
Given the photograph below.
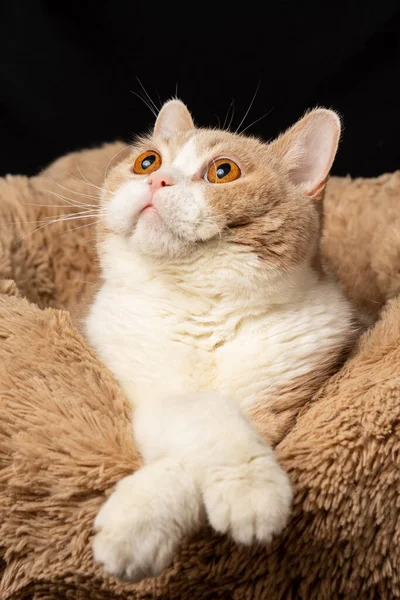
(148, 207)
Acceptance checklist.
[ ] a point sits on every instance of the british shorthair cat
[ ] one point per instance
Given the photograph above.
(219, 324)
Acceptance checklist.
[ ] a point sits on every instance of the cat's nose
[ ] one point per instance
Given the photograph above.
(158, 180)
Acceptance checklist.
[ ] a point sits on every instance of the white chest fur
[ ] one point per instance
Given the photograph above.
(161, 333)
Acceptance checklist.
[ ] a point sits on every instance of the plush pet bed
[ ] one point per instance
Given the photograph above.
(65, 436)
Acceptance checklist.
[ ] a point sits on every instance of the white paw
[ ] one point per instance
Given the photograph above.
(143, 521)
(250, 501)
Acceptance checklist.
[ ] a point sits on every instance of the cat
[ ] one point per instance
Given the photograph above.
(218, 322)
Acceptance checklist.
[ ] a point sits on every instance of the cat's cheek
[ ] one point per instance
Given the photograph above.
(123, 210)
(189, 216)
(179, 210)
(207, 229)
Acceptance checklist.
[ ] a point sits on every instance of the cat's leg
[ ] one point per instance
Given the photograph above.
(198, 450)
(142, 523)
(245, 491)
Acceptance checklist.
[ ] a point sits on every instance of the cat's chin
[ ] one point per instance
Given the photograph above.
(151, 237)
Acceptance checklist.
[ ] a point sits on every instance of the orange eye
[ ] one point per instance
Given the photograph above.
(147, 162)
(223, 170)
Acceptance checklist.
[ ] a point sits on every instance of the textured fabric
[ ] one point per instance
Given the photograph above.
(65, 434)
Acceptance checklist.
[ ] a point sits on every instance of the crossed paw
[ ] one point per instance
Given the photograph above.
(142, 523)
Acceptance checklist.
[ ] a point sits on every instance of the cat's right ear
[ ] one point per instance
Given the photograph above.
(308, 149)
(172, 119)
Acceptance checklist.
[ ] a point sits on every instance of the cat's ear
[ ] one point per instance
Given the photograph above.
(173, 118)
(308, 150)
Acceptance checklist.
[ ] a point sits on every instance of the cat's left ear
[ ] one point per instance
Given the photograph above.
(308, 150)
(173, 118)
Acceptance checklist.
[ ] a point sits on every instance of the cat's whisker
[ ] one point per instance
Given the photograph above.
(74, 217)
(257, 120)
(94, 216)
(72, 202)
(90, 196)
(230, 107)
(82, 226)
(108, 166)
(67, 201)
(86, 179)
(88, 282)
(51, 219)
(17, 222)
(159, 100)
(229, 125)
(148, 96)
(80, 181)
(250, 105)
(46, 205)
(151, 109)
(33, 231)
(65, 209)
(231, 120)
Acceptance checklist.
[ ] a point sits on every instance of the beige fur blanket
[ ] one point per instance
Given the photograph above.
(65, 435)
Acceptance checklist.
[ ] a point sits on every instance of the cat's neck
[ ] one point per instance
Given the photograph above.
(218, 272)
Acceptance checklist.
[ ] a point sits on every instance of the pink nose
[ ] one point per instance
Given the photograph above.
(158, 180)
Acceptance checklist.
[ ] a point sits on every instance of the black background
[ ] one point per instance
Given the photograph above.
(68, 74)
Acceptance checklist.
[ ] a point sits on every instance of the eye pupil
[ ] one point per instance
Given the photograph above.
(223, 170)
(148, 161)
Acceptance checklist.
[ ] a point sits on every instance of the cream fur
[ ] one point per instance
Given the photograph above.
(161, 342)
(197, 336)
(172, 317)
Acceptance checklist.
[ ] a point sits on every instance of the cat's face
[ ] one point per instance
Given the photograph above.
(184, 186)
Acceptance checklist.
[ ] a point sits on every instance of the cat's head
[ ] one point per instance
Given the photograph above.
(183, 186)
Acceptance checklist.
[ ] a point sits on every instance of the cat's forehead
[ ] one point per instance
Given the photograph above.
(189, 152)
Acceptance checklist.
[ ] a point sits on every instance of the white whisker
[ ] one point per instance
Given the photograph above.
(51, 219)
(70, 201)
(46, 205)
(229, 125)
(80, 227)
(93, 216)
(73, 218)
(231, 106)
(85, 178)
(148, 96)
(67, 189)
(108, 166)
(256, 121)
(159, 100)
(29, 233)
(81, 181)
(250, 105)
(151, 109)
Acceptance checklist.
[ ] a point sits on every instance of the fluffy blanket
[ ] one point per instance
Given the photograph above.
(65, 436)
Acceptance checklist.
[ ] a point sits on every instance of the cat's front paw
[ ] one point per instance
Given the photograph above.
(251, 501)
(141, 524)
